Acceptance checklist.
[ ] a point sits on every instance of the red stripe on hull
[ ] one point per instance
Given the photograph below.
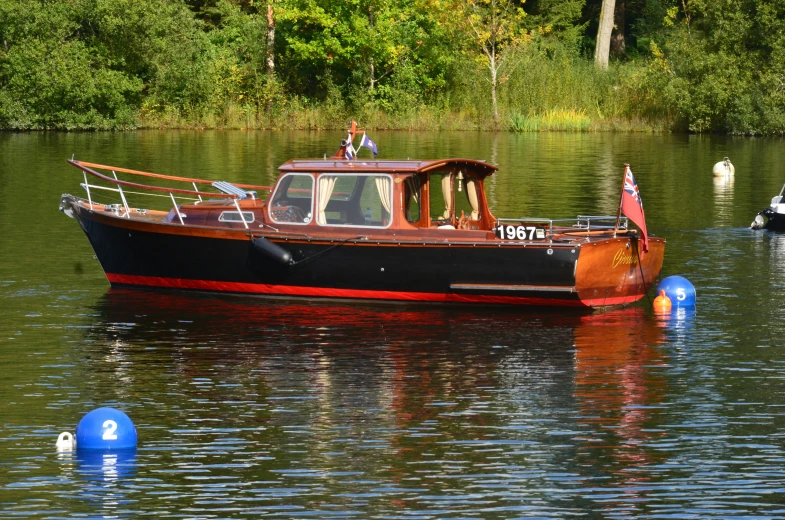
(322, 292)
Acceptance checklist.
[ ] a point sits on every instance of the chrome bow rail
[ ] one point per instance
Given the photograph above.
(581, 223)
(227, 190)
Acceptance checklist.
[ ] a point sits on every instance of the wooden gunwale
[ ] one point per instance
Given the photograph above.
(385, 240)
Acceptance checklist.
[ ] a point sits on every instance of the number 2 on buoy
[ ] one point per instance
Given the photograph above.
(109, 434)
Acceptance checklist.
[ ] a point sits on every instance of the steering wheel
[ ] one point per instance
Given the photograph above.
(294, 214)
(283, 212)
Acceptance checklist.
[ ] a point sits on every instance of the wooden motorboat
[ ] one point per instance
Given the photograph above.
(390, 230)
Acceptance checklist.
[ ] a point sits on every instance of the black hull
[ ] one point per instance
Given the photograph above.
(356, 268)
(775, 221)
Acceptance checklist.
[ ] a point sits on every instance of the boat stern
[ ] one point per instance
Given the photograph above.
(614, 272)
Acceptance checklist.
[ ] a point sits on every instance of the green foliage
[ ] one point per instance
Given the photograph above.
(52, 79)
(557, 22)
(718, 67)
(691, 65)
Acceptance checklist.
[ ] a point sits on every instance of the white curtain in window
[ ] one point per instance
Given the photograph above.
(447, 194)
(383, 186)
(471, 192)
(326, 185)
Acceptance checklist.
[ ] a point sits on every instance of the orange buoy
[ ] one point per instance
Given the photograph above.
(662, 303)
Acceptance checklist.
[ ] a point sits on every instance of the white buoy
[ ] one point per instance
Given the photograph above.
(724, 168)
(66, 442)
(758, 223)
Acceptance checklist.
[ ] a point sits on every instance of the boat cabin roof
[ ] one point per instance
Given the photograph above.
(481, 168)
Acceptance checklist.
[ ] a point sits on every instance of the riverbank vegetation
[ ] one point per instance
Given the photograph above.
(675, 65)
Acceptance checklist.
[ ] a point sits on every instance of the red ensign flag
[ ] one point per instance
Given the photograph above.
(632, 206)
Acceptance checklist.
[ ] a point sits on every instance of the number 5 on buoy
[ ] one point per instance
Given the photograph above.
(679, 290)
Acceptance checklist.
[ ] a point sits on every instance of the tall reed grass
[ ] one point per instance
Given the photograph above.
(558, 119)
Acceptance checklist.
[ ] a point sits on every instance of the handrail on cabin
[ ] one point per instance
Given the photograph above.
(84, 168)
(88, 165)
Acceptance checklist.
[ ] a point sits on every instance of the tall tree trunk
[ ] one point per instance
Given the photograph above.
(604, 31)
(269, 59)
(372, 68)
(618, 45)
(373, 76)
(493, 90)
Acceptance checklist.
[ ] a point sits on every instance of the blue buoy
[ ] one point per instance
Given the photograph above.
(105, 429)
(680, 291)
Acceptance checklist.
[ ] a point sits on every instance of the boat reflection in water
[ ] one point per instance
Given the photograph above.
(620, 385)
(423, 381)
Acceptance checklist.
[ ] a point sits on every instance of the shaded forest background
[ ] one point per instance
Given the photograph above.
(675, 65)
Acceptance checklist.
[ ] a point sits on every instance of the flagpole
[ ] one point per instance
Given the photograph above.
(621, 196)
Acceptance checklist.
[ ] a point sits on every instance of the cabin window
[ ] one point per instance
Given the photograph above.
(412, 198)
(234, 216)
(292, 201)
(360, 200)
(466, 199)
(441, 197)
(458, 190)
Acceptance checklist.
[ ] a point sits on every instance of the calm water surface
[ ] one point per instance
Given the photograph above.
(255, 408)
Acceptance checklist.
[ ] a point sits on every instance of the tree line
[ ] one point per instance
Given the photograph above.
(653, 65)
